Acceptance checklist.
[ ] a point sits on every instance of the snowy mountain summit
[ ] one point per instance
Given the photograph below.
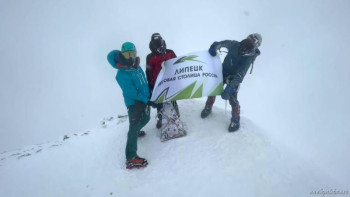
(209, 161)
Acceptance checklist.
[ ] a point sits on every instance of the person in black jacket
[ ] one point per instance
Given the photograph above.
(240, 56)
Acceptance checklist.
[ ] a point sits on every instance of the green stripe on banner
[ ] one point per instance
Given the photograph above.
(218, 90)
(162, 97)
(185, 93)
(198, 92)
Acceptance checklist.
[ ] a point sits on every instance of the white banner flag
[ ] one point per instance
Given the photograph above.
(191, 76)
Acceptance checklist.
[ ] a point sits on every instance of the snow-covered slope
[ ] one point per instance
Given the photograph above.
(209, 161)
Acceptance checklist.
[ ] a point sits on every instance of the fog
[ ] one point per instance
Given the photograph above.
(55, 78)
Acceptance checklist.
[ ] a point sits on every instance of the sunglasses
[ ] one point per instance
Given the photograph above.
(129, 54)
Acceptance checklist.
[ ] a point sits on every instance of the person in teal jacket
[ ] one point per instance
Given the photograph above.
(133, 83)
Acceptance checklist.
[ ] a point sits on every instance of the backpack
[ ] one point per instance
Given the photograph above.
(172, 126)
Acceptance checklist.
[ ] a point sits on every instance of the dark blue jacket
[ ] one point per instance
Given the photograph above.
(235, 66)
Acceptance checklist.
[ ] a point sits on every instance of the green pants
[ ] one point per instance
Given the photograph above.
(139, 115)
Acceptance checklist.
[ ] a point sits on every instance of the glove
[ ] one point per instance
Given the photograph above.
(152, 104)
(212, 49)
(229, 90)
(133, 63)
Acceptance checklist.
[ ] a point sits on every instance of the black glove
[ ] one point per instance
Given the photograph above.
(152, 104)
(212, 49)
(133, 62)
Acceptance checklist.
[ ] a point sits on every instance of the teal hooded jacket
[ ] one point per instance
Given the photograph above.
(132, 81)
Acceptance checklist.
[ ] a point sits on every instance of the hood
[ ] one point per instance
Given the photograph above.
(116, 62)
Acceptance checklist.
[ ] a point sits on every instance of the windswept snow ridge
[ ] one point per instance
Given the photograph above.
(209, 161)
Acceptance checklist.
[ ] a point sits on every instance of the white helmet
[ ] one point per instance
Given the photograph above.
(256, 38)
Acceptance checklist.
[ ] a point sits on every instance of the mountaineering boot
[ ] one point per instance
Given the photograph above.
(234, 125)
(141, 134)
(206, 111)
(136, 162)
(159, 124)
(208, 105)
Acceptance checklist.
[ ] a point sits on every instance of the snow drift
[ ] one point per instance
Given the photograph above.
(209, 161)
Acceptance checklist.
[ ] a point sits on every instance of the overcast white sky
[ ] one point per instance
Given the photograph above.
(55, 79)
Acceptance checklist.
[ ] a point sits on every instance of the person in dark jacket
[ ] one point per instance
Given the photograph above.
(132, 81)
(159, 54)
(240, 56)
